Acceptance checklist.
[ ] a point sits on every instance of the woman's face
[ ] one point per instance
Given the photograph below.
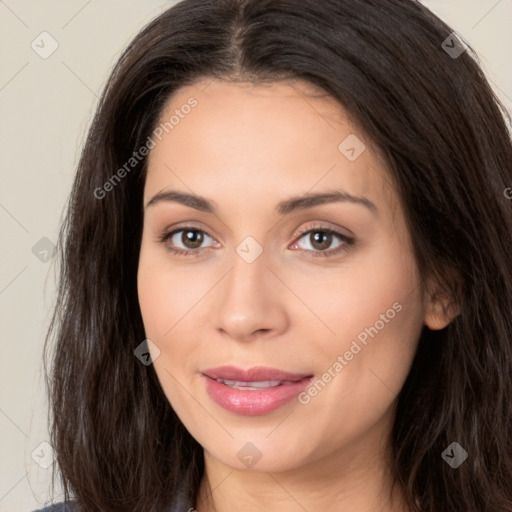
(275, 275)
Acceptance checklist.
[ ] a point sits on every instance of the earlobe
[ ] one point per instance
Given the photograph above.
(441, 309)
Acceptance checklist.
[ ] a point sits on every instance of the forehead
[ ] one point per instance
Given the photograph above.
(261, 142)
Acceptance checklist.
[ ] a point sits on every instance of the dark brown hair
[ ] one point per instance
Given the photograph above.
(441, 129)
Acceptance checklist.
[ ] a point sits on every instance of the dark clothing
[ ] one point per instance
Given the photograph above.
(58, 507)
(70, 507)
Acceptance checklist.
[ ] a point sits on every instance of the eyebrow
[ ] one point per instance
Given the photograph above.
(283, 208)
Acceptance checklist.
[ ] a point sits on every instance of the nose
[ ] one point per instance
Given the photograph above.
(250, 301)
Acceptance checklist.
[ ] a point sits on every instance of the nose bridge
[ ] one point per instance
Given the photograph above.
(247, 279)
(247, 299)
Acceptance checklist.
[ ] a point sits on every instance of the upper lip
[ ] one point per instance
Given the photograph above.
(254, 374)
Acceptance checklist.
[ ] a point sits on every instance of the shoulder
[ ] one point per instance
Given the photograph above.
(58, 507)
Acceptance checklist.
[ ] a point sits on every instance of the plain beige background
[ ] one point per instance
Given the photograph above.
(46, 105)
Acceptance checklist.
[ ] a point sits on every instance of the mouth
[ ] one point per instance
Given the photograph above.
(253, 391)
(264, 384)
(254, 374)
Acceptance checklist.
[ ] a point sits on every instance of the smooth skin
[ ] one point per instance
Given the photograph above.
(245, 148)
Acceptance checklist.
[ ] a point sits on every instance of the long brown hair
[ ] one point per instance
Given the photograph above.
(441, 129)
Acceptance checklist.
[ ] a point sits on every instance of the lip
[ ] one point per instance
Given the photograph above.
(253, 402)
(256, 373)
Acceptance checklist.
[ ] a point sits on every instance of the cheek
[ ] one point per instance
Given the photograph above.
(169, 296)
(153, 299)
(378, 323)
(161, 307)
(165, 293)
(379, 279)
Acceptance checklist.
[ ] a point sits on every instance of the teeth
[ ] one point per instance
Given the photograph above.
(236, 384)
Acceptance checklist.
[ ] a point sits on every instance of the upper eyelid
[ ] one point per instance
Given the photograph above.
(321, 228)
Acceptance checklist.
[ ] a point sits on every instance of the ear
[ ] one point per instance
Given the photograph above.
(441, 306)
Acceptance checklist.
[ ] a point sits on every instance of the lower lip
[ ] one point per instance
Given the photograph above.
(254, 402)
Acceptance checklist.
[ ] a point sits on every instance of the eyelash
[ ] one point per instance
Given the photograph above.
(348, 242)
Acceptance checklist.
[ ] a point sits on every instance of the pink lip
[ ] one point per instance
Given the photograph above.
(254, 402)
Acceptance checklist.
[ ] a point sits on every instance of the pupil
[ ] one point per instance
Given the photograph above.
(192, 239)
(318, 236)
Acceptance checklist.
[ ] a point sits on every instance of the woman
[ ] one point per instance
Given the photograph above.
(286, 276)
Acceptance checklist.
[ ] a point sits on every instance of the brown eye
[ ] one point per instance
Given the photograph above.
(192, 238)
(323, 242)
(187, 241)
(320, 240)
